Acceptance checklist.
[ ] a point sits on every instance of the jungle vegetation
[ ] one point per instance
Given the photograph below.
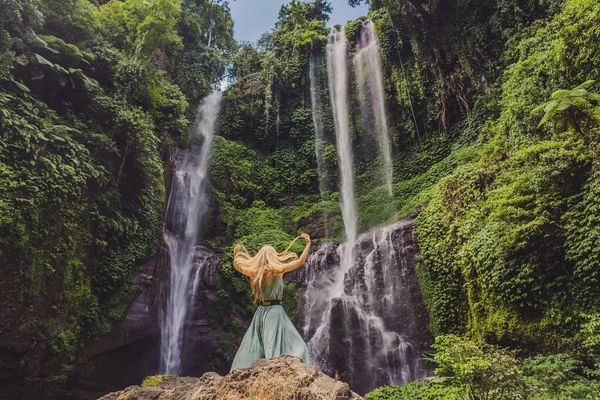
(494, 117)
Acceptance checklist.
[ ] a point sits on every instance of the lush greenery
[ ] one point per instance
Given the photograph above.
(494, 121)
(494, 118)
(93, 95)
(468, 370)
(509, 241)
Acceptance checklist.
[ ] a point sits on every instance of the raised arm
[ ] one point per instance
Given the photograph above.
(298, 263)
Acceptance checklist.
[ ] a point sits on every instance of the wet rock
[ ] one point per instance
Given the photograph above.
(131, 351)
(283, 377)
(369, 326)
(318, 225)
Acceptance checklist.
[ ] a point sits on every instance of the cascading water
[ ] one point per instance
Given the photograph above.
(375, 332)
(337, 73)
(363, 316)
(329, 290)
(333, 288)
(187, 204)
(369, 75)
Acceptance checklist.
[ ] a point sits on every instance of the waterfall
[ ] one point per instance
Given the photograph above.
(337, 73)
(367, 66)
(363, 315)
(375, 332)
(187, 204)
(323, 293)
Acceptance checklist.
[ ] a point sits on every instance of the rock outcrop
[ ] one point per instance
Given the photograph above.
(367, 324)
(283, 377)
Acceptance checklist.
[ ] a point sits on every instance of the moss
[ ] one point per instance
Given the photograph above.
(155, 380)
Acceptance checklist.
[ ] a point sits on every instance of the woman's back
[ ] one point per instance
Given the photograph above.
(271, 331)
(273, 288)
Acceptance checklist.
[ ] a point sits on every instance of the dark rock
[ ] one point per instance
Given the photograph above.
(132, 351)
(375, 330)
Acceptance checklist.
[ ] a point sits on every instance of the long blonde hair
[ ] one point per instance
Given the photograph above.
(267, 261)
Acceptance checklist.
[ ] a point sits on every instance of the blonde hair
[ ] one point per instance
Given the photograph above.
(267, 261)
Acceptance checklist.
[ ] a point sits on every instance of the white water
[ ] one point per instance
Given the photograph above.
(187, 205)
(361, 297)
(369, 75)
(383, 332)
(337, 72)
(332, 288)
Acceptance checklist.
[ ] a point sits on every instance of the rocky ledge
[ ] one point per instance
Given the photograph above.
(283, 377)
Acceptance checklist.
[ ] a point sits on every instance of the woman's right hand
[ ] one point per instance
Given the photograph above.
(236, 249)
(305, 236)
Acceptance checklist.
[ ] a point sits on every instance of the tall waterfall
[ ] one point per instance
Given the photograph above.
(322, 294)
(363, 316)
(187, 204)
(369, 75)
(337, 73)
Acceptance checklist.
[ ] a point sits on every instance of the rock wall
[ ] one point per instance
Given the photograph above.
(374, 333)
(132, 351)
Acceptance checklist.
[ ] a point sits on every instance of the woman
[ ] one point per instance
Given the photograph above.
(271, 332)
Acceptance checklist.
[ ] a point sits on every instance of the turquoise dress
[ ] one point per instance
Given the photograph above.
(271, 332)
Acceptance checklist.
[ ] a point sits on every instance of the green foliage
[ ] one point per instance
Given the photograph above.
(72, 20)
(143, 27)
(558, 377)
(566, 102)
(508, 250)
(481, 371)
(89, 114)
(467, 370)
(589, 335)
(415, 391)
(207, 32)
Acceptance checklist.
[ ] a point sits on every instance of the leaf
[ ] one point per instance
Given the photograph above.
(42, 60)
(560, 93)
(563, 105)
(586, 84)
(578, 92)
(21, 86)
(22, 60)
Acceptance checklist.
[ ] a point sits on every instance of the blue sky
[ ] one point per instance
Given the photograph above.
(253, 17)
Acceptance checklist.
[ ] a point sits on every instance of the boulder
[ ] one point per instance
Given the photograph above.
(283, 377)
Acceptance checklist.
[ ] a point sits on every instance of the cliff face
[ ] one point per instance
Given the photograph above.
(283, 377)
(132, 351)
(373, 334)
(369, 324)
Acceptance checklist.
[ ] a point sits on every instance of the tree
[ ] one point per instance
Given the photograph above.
(207, 22)
(147, 26)
(569, 104)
